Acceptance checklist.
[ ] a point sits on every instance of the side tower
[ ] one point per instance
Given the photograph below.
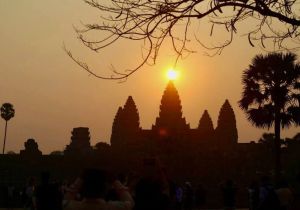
(80, 142)
(205, 127)
(116, 136)
(226, 132)
(126, 125)
(170, 122)
(31, 149)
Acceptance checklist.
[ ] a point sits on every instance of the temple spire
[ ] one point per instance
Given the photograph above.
(126, 124)
(226, 131)
(130, 115)
(114, 139)
(170, 114)
(80, 142)
(205, 126)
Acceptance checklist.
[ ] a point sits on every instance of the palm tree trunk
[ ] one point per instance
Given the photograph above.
(277, 146)
(4, 137)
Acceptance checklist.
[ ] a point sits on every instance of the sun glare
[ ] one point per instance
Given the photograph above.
(172, 74)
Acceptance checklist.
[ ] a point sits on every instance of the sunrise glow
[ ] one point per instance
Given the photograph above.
(172, 74)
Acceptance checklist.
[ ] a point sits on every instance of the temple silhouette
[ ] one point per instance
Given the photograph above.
(171, 127)
(169, 134)
(205, 154)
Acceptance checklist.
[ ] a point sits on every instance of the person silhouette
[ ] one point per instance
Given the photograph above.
(253, 192)
(47, 195)
(268, 198)
(229, 195)
(200, 196)
(152, 190)
(188, 199)
(92, 188)
(29, 193)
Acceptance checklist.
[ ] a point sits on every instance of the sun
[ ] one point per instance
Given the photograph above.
(172, 74)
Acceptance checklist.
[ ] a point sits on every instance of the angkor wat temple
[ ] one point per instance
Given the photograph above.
(171, 128)
(170, 132)
(205, 154)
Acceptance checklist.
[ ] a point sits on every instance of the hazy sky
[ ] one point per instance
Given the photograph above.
(52, 95)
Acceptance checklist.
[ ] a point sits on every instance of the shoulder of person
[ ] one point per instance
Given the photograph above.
(119, 205)
(72, 204)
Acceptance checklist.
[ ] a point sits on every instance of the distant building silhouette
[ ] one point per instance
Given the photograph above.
(31, 149)
(205, 154)
(170, 126)
(226, 131)
(126, 125)
(170, 133)
(170, 122)
(205, 127)
(80, 142)
(116, 136)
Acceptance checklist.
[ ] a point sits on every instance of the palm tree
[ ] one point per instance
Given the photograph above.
(271, 95)
(7, 112)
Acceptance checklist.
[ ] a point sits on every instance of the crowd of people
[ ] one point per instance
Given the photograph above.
(152, 190)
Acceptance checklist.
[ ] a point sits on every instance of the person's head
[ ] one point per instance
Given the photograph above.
(31, 181)
(265, 180)
(254, 184)
(45, 177)
(150, 168)
(122, 177)
(188, 185)
(93, 183)
(282, 183)
(229, 183)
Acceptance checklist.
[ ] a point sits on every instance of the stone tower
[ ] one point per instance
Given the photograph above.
(205, 127)
(80, 142)
(170, 122)
(126, 125)
(116, 127)
(226, 131)
(130, 116)
(31, 149)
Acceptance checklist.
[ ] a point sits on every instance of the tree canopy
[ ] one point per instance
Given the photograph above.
(271, 95)
(152, 22)
(271, 83)
(7, 111)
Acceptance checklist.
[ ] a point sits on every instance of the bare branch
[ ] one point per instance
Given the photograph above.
(152, 22)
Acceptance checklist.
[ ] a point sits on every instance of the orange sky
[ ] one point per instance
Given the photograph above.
(52, 95)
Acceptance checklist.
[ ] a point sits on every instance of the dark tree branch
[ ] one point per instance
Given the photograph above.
(151, 22)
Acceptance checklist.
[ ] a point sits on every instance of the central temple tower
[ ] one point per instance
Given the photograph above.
(170, 122)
